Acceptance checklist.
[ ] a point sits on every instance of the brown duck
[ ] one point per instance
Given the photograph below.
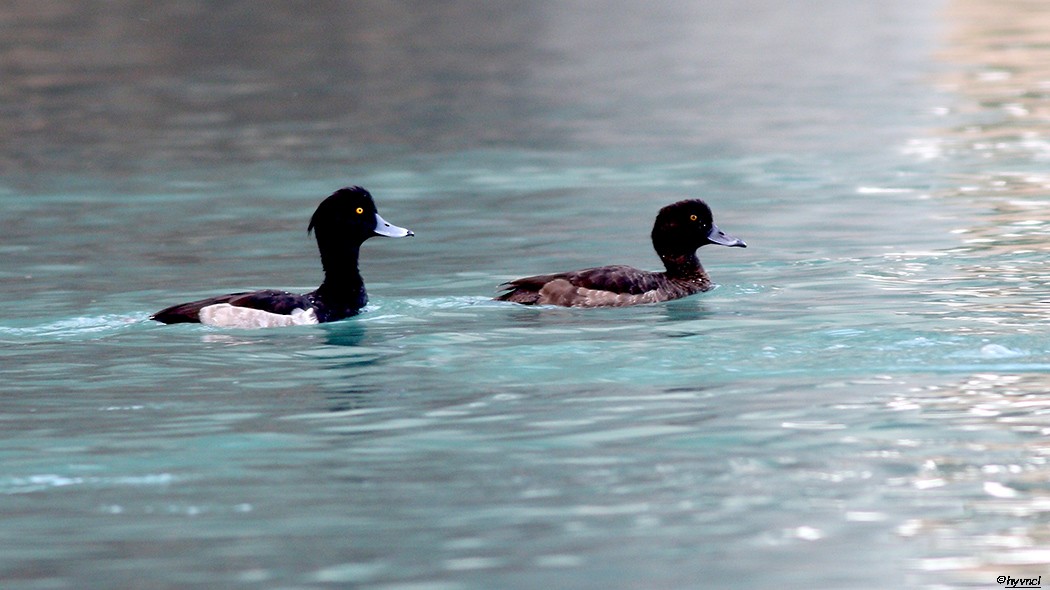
(680, 229)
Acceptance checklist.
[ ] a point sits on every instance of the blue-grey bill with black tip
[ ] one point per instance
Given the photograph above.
(717, 236)
(391, 231)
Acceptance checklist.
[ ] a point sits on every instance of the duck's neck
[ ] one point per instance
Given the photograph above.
(343, 290)
(685, 267)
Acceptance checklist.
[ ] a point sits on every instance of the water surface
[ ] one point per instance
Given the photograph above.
(859, 404)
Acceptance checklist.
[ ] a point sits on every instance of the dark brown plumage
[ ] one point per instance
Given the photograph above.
(680, 229)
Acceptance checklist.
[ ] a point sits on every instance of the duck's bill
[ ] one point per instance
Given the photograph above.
(717, 236)
(391, 231)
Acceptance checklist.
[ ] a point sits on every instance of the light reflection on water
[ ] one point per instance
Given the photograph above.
(991, 458)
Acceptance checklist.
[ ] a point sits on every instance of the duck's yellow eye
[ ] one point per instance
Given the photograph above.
(361, 210)
(691, 217)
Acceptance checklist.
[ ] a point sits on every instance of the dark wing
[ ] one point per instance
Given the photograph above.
(525, 290)
(273, 301)
(279, 302)
(613, 279)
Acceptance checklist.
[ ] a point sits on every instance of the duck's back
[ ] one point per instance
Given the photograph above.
(269, 300)
(603, 286)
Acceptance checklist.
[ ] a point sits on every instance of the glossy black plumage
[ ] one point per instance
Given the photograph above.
(679, 230)
(341, 223)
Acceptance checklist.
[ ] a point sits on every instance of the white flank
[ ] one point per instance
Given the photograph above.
(224, 315)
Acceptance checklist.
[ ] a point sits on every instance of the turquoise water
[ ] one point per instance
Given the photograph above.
(861, 403)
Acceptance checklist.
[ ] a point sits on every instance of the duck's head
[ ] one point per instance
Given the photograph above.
(684, 226)
(349, 215)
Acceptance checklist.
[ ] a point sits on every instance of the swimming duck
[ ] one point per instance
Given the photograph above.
(342, 222)
(680, 229)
